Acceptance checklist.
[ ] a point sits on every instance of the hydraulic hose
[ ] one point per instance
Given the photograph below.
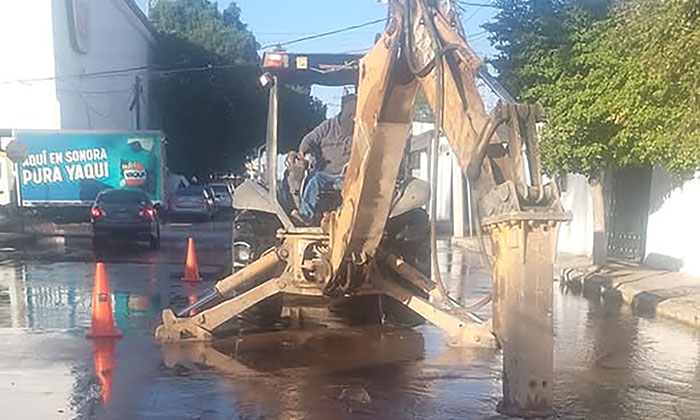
(435, 149)
(202, 302)
(439, 114)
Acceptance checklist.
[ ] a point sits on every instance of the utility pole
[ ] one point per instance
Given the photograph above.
(136, 102)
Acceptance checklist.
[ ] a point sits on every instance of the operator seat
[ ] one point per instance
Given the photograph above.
(291, 191)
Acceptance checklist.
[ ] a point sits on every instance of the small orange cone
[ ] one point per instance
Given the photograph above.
(191, 267)
(102, 317)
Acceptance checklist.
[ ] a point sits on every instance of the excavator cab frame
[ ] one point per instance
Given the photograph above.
(257, 201)
(283, 68)
(259, 198)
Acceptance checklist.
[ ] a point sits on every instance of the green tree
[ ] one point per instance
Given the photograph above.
(215, 114)
(620, 84)
(534, 40)
(200, 22)
(539, 43)
(631, 97)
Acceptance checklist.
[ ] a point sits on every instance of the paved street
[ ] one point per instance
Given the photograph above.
(609, 363)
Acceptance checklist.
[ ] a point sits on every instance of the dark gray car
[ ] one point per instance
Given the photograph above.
(125, 213)
(195, 200)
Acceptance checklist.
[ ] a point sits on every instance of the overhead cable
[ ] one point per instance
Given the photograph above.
(80, 75)
(148, 70)
(468, 3)
(324, 34)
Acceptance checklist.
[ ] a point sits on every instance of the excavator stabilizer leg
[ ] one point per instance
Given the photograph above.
(461, 330)
(199, 327)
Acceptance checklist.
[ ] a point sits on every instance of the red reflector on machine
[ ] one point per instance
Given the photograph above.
(276, 60)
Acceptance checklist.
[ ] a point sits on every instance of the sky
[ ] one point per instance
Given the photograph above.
(274, 21)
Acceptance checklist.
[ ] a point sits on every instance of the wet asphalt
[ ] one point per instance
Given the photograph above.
(609, 362)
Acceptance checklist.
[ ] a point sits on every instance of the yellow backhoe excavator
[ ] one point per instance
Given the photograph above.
(423, 45)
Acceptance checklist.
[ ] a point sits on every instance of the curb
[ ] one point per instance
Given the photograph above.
(679, 302)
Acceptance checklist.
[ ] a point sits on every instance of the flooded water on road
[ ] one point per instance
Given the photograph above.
(609, 363)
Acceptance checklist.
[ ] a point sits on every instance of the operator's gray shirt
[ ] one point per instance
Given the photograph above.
(330, 144)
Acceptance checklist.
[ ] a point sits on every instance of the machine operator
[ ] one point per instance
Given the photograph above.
(327, 147)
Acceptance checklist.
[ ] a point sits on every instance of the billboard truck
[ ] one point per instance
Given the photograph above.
(69, 168)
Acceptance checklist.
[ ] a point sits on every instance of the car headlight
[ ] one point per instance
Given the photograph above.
(242, 253)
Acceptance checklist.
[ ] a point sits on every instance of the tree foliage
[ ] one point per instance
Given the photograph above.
(620, 83)
(217, 113)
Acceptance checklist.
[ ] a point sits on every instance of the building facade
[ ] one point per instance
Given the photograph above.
(75, 64)
(649, 218)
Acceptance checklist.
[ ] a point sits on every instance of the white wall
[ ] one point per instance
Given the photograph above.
(576, 236)
(117, 40)
(673, 227)
(35, 44)
(27, 52)
(445, 168)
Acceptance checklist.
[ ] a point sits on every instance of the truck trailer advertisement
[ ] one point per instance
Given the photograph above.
(71, 168)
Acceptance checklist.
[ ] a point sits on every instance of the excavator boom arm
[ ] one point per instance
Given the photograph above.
(422, 46)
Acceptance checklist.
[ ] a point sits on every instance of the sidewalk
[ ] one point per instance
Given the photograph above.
(649, 291)
(53, 229)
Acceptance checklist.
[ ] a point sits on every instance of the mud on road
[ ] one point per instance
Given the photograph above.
(609, 363)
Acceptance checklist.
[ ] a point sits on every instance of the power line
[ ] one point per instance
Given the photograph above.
(148, 70)
(94, 92)
(115, 72)
(467, 3)
(324, 34)
(478, 9)
(153, 72)
(470, 37)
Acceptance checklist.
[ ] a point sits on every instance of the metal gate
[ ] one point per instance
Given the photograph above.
(628, 200)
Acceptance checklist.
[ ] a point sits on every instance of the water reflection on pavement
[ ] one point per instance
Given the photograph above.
(609, 363)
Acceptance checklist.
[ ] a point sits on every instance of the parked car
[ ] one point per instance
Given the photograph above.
(193, 201)
(125, 213)
(223, 193)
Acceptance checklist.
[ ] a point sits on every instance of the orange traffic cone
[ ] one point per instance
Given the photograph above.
(191, 267)
(102, 317)
(103, 357)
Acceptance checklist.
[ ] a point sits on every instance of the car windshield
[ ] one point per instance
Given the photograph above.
(122, 196)
(191, 192)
